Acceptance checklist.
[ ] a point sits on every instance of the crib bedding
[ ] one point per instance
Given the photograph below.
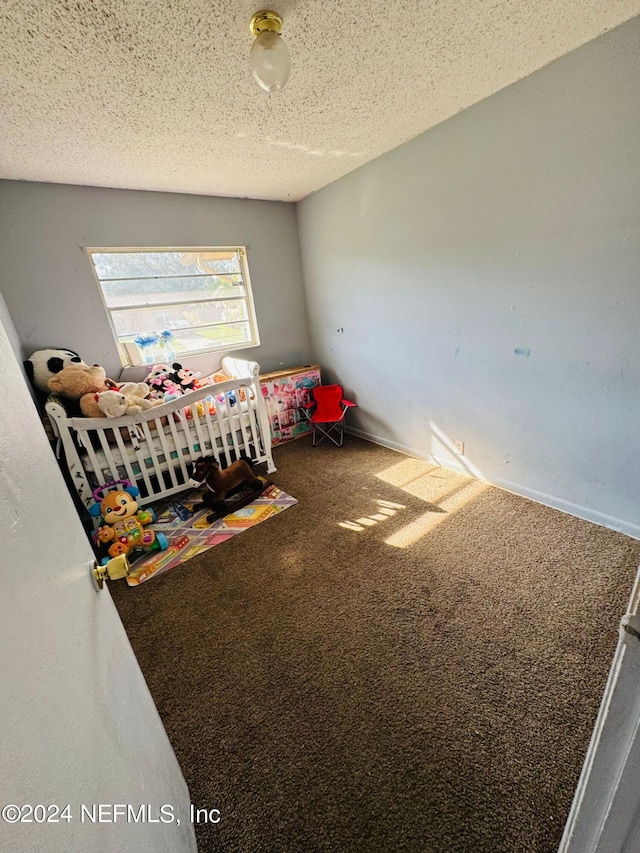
(155, 449)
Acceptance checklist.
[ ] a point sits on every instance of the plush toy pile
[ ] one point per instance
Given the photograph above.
(94, 395)
(168, 383)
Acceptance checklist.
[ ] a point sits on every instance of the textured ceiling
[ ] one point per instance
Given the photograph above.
(159, 96)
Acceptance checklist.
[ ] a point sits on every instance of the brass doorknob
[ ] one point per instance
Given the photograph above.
(117, 567)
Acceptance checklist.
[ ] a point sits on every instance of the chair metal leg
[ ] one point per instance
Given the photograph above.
(333, 431)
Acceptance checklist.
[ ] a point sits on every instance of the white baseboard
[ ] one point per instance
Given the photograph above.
(608, 521)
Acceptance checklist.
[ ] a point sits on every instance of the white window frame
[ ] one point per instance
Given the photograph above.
(125, 356)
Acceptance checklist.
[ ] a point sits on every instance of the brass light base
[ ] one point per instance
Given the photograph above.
(266, 20)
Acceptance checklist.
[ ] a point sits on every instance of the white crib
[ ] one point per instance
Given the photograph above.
(155, 449)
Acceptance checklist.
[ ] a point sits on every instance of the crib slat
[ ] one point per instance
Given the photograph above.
(85, 439)
(234, 422)
(196, 422)
(188, 436)
(167, 453)
(211, 429)
(251, 409)
(125, 457)
(157, 466)
(231, 418)
(140, 456)
(106, 449)
(223, 432)
(178, 445)
(243, 427)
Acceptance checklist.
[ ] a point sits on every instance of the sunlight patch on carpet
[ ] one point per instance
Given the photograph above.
(422, 479)
(383, 512)
(419, 527)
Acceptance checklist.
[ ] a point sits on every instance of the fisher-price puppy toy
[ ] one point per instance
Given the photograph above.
(124, 524)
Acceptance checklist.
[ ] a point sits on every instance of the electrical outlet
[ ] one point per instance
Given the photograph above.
(459, 446)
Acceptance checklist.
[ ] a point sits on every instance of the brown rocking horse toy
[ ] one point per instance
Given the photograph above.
(221, 482)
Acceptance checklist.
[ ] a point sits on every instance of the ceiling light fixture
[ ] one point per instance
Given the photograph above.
(269, 57)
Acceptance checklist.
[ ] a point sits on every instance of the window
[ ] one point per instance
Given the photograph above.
(176, 302)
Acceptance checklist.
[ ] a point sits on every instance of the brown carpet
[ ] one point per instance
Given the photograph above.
(329, 691)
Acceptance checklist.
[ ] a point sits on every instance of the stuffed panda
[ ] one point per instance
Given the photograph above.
(45, 363)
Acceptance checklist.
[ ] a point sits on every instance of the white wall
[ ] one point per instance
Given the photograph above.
(51, 291)
(486, 277)
(78, 722)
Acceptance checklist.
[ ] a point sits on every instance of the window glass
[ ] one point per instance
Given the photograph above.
(176, 301)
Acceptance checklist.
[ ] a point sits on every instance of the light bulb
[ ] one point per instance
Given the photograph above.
(270, 61)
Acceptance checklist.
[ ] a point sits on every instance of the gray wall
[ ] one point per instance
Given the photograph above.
(12, 336)
(51, 292)
(486, 279)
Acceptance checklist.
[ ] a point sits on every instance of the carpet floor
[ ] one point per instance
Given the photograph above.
(407, 660)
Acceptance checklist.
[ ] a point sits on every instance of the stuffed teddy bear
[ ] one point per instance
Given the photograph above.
(110, 404)
(44, 364)
(79, 382)
(129, 399)
(137, 394)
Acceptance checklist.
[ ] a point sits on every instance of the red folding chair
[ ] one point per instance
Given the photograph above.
(326, 413)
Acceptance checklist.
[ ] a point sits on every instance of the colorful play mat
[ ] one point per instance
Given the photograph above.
(189, 533)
